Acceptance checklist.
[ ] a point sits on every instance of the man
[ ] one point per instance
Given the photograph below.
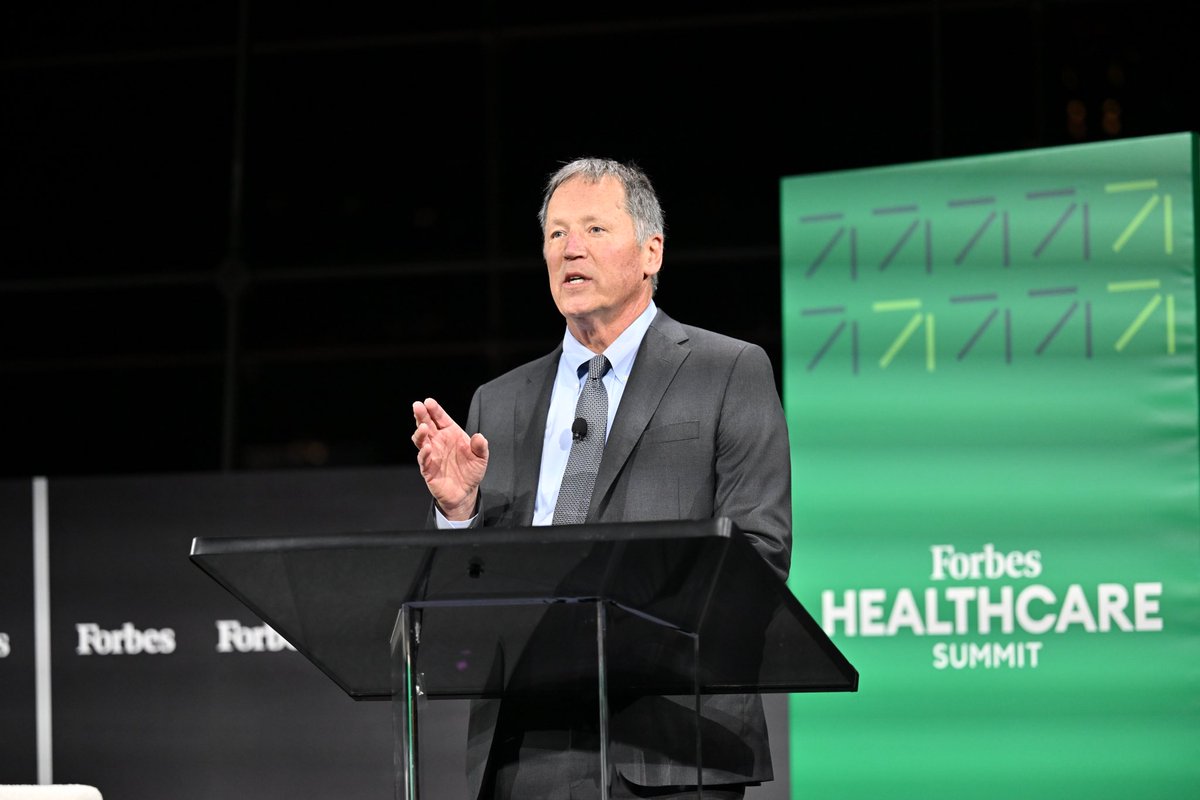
(694, 431)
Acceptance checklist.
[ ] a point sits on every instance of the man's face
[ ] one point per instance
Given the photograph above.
(599, 274)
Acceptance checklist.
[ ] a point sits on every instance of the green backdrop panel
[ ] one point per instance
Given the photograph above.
(990, 382)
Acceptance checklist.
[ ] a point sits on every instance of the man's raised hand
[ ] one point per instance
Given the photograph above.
(451, 462)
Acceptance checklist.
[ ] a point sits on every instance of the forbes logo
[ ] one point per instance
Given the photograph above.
(234, 637)
(126, 640)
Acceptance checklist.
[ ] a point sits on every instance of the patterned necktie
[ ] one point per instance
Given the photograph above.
(575, 493)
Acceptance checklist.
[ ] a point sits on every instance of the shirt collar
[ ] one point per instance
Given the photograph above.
(620, 353)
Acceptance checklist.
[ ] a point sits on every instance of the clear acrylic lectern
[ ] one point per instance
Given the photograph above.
(563, 617)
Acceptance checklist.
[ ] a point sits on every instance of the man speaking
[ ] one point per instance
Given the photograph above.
(633, 418)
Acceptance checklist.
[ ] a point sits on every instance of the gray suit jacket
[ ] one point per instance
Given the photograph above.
(699, 433)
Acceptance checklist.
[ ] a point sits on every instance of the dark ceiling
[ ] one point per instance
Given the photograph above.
(249, 235)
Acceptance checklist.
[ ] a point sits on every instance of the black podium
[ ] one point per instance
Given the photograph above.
(609, 612)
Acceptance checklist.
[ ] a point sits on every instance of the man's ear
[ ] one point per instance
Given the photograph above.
(652, 255)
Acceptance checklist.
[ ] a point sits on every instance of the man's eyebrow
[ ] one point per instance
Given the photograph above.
(561, 221)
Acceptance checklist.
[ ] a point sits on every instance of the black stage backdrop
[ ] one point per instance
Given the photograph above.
(18, 751)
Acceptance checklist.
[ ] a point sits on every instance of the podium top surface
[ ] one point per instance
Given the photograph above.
(336, 598)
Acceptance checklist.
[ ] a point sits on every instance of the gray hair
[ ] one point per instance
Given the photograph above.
(640, 200)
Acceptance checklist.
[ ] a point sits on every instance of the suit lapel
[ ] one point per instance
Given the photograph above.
(659, 357)
(529, 424)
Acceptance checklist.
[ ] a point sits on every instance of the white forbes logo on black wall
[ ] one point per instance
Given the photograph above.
(128, 640)
(234, 637)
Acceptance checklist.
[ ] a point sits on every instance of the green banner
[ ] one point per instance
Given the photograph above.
(990, 380)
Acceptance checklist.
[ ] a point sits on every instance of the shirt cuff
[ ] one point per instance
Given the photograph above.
(451, 524)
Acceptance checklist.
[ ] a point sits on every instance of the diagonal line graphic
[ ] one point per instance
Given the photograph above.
(975, 238)
(1054, 231)
(1138, 322)
(825, 347)
(1057, 327)
(904, 237)
(904, 336)
(978, 332)
(825, 252)
(1135, 223)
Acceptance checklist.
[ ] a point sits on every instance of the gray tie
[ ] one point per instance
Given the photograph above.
(575, 493)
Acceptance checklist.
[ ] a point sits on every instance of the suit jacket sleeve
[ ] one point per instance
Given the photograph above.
(753, 467)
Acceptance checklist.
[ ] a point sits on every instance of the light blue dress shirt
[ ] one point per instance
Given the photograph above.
(556, 447)
(568, 383)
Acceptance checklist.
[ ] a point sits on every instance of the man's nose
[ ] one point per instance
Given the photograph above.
(573, 248)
